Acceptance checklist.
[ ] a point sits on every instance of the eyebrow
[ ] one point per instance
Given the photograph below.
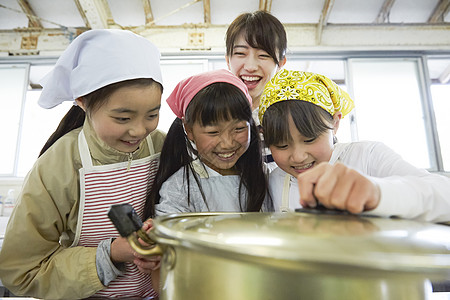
(240, 46)
(126, 110)
(246, 47)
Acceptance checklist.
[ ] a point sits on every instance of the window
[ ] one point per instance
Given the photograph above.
(173, 71)
(390, 93)
(441, 104)
(13, 79)
(388, 99)
(38, 124)
(439, 73)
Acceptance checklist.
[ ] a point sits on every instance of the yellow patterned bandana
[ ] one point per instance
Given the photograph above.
(305, 86)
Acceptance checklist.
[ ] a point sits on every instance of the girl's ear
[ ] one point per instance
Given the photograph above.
(282, 63)
(188, 131)
(81, 103)
(227, 59)
(336, 120)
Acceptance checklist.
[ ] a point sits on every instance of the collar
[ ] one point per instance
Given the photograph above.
(203, 170)
(255, 117)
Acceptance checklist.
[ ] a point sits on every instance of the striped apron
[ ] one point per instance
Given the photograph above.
(101, 187)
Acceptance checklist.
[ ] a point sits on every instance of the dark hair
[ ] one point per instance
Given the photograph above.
(219, 101)
(311, 121)
(74, 118)
(261, 30)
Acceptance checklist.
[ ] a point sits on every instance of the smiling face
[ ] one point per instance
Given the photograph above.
(220, 145)
(299, 153)
(253, 66)
(127, 117)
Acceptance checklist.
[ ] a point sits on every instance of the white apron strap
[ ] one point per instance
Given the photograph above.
(150, 145)
(84, 150)
(285, 197)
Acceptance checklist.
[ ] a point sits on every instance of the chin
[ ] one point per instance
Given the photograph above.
(289, 171)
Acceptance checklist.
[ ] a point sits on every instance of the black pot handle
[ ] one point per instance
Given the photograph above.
(125, 219)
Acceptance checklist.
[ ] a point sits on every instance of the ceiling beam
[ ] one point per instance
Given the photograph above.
(383, 15)
(262, 4)
(151, 24)
(268, 5)
(82, 14)
(148, 11)
(265, 5)
(33, 20)
(105, 11)
(326, 10)
(96, 13)
(439, 12)
(302, 38)
(207, 11)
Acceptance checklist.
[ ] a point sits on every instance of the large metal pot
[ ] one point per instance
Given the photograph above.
(298, 256)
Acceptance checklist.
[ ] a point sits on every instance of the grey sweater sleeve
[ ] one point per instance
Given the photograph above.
(106, 269)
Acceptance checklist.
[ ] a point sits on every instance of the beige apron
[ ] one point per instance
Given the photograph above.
(101, 187)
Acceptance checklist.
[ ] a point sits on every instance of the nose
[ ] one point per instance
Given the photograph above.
(299, 154)
(251, 63)
(138, 129)
(227, 140)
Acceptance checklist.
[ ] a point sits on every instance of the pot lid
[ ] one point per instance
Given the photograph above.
(300, 239)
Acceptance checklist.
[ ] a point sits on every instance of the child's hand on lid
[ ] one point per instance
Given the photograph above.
(337, 187)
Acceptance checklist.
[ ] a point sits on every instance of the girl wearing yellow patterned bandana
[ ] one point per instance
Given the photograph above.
(300, 114)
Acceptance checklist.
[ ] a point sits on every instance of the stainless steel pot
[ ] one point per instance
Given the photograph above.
(298, 256)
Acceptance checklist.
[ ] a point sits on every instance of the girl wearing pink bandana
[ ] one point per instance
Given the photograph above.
(211, 158)
(300, 114)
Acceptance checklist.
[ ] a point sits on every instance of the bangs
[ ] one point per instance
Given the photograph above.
(218, 102)
(309, 119)
(275, 125)
(258, 37)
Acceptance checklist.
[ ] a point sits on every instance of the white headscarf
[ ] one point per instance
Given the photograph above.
(97, 58)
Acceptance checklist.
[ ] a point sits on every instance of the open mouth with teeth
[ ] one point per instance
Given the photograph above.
(251, 81)
(226, 156)
(303, 168)
(132, 143)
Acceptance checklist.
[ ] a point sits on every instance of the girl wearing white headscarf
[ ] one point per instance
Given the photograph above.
(59, 242)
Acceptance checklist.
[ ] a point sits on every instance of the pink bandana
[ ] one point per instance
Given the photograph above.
(186, 89)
